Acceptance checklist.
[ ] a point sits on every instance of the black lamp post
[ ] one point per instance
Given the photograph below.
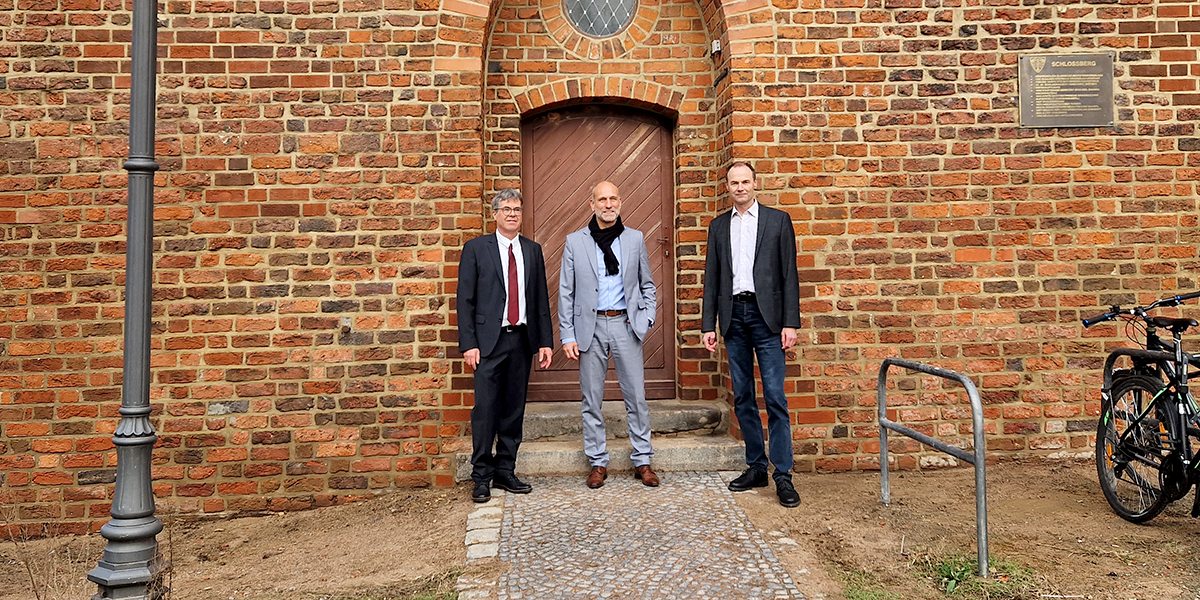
(131, 564)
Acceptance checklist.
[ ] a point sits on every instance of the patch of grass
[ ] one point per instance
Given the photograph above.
(957, 576)
(861, 585)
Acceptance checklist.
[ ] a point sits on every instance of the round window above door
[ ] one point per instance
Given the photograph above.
(599, 29)
(600, 18)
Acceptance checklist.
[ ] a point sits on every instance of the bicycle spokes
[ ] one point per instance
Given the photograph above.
(1129, 450)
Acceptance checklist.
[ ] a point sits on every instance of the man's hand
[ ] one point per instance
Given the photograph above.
(472, 358)
(544, 355)
(710, 341)
(571, 349)
(787, 337)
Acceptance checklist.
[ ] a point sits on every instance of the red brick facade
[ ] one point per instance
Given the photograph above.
(322, 162)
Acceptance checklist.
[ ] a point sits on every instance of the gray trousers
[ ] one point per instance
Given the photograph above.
(614, 336)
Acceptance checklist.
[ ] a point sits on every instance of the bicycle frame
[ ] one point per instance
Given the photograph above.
(1179, 444)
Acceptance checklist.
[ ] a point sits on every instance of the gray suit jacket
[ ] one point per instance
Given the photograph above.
(579, 286)
(776, 281)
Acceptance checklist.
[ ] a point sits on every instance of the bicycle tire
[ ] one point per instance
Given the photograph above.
(1131, 475)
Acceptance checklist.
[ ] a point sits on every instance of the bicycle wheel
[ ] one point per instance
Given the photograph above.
(1130, 469)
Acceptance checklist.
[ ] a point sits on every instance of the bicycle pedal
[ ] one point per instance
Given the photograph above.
(1164, 438)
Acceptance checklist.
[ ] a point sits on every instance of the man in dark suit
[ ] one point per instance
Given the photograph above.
(503, 320)
(752, 289)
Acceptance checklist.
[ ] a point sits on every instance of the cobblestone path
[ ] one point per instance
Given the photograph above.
(685, 540)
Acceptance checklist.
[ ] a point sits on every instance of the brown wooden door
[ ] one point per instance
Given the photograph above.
(563, 154)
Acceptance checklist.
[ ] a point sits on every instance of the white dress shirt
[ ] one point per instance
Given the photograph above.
(516, 248)
(743, 235)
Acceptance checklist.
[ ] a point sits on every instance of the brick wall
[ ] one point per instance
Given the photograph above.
(322, 162)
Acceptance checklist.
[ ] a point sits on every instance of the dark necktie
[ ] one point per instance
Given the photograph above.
(514, 300)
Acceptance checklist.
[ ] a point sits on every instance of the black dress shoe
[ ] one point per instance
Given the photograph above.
(510, 483)
(787, 492)
(482, 492)
(750, 478)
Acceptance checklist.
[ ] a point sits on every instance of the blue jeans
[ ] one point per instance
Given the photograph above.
(749, 335)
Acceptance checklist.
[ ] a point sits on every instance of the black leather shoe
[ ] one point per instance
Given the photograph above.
(787, 492)
(482, 492)
(509, 482)
(750, 478)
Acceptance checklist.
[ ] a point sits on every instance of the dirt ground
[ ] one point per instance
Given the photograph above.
(1049, 517)
(1046, 516)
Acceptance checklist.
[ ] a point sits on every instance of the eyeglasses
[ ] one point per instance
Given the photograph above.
(508, 210)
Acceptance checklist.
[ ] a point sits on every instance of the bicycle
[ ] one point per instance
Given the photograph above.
(1148, 417)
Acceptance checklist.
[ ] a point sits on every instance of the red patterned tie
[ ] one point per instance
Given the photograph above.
(514, 300)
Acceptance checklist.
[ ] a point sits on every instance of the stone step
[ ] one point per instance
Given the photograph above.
(562, 421)
(680, 453)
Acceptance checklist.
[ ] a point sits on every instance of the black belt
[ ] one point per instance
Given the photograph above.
(512, 328)
(744, 297)
(610, 313)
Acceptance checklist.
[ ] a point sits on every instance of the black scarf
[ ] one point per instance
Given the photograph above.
(604, 238)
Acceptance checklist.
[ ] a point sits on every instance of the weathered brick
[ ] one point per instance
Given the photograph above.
(296, 192)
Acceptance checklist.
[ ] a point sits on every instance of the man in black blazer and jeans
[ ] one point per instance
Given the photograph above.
(752, 289)
(503, 320)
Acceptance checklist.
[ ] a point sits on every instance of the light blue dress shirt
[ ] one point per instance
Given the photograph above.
(612, 289)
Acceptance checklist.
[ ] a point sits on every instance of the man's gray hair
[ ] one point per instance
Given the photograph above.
(506, 194)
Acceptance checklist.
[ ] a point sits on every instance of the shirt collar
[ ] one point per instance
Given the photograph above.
(505, 242)
(750, 212)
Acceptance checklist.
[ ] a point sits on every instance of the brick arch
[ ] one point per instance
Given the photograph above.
(731, 21)
(619, 90)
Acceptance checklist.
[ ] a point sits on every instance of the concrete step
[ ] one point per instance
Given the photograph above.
(562, 420)
(678, 453)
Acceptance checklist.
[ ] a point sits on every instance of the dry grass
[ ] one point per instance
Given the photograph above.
(53, 568)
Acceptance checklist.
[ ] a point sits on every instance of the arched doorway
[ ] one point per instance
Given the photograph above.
(564, 153)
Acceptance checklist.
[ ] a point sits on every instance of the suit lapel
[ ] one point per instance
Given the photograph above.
(491, 247)
(590, 244)
(762, 229)
(725, 239)
(628, 262)
(527, 259)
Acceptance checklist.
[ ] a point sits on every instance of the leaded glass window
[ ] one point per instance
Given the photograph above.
(600, 18)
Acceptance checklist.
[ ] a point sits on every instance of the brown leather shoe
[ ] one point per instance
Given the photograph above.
(596, 477)
(646, 475)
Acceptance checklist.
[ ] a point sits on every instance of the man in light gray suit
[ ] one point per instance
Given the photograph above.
(606, 304)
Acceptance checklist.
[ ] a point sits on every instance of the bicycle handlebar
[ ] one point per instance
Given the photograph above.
(1173, 300)
(1117, 311)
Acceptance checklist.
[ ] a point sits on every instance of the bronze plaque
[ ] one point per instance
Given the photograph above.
(1066, 90)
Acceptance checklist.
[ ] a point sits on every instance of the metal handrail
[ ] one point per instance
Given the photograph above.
(976, 459)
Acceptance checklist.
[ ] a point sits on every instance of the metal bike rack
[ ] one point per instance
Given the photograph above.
(976, 459)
